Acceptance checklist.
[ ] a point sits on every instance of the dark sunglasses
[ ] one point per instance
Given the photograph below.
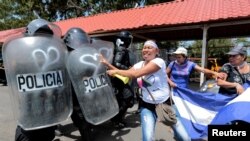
(232, 56)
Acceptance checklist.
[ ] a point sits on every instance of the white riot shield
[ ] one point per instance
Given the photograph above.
(36, 73)
(92, 85)
(105, 48)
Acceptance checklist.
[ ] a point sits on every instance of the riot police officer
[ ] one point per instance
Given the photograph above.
(74, 38)
(121, 54)
(124, 92)
(42, 82)
(93, 97)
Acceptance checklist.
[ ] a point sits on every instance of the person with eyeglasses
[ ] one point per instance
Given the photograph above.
(236, 72)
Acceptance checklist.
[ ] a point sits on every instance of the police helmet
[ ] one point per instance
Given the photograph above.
(170, 52)
(41, 26)
(124, 38)
(76, 37)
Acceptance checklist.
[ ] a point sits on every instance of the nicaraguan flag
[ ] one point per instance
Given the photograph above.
(198, 109)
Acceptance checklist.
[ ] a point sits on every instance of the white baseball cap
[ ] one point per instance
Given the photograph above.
(181, 50)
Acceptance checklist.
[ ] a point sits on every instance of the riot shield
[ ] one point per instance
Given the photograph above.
(92, 85)
(39, 82)
(105, 48)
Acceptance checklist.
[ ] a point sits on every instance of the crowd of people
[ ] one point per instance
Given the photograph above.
(160, 78)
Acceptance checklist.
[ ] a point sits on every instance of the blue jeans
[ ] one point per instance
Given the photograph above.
(179, 129)
(148, 121)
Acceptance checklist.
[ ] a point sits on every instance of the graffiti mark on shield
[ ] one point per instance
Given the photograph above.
(44, 59)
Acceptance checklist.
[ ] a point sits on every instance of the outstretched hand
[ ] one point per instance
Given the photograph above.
(111, 72)
(103, 60)
(220, 75)
(239, 88)
(172, 84)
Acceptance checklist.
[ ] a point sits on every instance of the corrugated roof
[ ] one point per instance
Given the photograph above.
(158, 15)
(4, 35)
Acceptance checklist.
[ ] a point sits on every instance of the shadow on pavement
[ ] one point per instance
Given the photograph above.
(105, 131)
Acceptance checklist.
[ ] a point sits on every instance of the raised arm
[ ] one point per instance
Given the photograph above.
(207, 71)
(225, 84)
(132, 73)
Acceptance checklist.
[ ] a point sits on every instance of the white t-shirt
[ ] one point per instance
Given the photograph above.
(159, 87)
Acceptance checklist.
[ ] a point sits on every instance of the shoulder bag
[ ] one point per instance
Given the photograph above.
(165, 113)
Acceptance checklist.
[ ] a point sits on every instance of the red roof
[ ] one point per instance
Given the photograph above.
(158, 15)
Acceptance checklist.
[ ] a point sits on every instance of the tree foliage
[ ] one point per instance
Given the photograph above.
(17, 13)
(215, 47)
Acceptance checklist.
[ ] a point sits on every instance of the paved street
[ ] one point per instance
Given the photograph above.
(103, 132)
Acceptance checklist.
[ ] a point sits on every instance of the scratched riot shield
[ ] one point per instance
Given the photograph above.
(105, 48)
(37, 75)
(92, 85)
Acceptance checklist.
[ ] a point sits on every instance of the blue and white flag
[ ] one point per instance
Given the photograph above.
(198, 109)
